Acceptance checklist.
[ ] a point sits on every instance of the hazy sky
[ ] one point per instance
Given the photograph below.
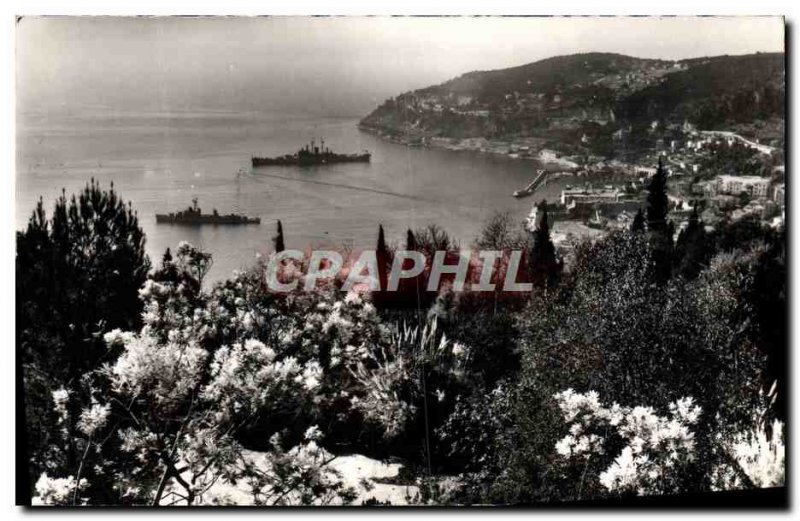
(338, 66)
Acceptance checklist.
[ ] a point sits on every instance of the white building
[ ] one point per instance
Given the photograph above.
(733, 185)
(570, 196)
(779, 194)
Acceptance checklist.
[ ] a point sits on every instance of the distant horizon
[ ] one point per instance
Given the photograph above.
(337, 67)
(223, 110)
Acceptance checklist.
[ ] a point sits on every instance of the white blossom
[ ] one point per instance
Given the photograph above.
(60, 402)
(313, 433)
(57, 491)
(118, 337)
(94, 418)
(655, 447)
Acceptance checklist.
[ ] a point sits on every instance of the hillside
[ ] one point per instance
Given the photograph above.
(586, 103)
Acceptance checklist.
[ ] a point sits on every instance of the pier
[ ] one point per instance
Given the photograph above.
(541, 178)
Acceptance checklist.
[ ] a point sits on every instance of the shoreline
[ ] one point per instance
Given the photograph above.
(529, 148)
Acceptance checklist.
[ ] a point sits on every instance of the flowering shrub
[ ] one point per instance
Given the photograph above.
(761, 457)
(393, 377)
(336, 329)
(58, 491)
(200, 399)
(299, 476)
(755, 457)
(214, 375)
(93, 419)
(178, 395)
(655, 449)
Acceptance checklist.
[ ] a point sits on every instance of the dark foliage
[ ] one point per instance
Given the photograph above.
(543, 263)
(659, 228)
(638, 221)
(278, 239)
(692, 249)
(77, 276)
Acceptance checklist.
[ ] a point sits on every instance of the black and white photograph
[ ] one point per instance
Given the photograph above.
(383, 261)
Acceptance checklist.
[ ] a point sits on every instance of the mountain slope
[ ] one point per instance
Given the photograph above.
(579, 102)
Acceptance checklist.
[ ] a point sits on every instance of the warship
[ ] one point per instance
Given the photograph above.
(194, 215)
(312, 154)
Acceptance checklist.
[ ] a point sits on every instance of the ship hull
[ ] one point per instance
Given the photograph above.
(206, 219)
(311, 161)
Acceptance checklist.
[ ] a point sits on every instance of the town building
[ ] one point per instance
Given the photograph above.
(571, 196)
(755, 186)
(779, 194)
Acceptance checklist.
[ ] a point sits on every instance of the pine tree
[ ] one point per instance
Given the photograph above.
(78, 275)
(278, 239)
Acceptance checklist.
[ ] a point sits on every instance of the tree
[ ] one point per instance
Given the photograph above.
(383, 257)
(432, 238)
(500, 233)
(657, 201)
(692, 249)
(278, 239)
(411, 241)
(170, 414)
(660, 230)
(744, 198)
(543, 264)
(78, 276)
(638, 221)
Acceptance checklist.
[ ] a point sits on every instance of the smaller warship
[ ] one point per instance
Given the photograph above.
(312, 154)
(194, 215)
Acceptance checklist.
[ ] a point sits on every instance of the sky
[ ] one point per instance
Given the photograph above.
(325, 65)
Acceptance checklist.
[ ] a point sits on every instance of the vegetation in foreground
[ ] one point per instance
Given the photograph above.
(647, 367)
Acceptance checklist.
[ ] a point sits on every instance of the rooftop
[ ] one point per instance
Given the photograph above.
(743, 178)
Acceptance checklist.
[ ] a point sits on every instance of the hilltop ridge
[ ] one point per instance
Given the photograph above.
(594, 104)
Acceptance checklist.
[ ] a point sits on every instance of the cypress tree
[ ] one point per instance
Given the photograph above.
(382, 256)
(660, 230)
(657, 199)
(381, 239)
(411, 241)
(686, 235)
(411, 291)
(278, 239)
(692, 250)
(543, 263)
(638, 222)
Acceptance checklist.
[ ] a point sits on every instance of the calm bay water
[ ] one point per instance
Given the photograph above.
(161, 161)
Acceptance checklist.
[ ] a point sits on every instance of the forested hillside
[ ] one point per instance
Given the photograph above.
(581, 101)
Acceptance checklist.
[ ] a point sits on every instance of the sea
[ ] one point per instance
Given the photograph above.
(160, 161)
